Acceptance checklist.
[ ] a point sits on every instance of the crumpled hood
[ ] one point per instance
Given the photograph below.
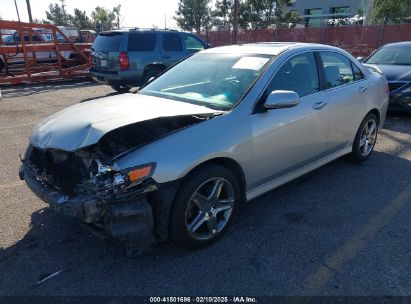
(86, 123)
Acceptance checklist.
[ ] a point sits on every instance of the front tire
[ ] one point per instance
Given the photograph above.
(121, 88)
(204, 207)
(365, 139)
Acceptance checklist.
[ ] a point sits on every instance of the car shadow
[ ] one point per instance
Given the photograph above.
(398, 122)
(20, 90)
(275, 242)
(99, 97)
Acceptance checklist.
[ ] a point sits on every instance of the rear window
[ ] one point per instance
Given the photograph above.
(107, 42)
(141, 42)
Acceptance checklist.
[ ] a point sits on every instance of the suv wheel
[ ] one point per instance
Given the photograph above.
(152, 72)
(121, 88)
(204, 207)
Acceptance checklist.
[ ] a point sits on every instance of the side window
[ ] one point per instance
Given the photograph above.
(193, 44)
(299, 74)
(358, 74)
(141, 42)
(337, 69)
(36, 38)
(172, 42)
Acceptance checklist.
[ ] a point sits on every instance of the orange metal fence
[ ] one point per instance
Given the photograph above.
(359, 41)
(28, 57)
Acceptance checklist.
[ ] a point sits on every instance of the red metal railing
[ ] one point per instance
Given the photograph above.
(20, 55)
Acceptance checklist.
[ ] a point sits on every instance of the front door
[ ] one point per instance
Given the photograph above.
(288, 139)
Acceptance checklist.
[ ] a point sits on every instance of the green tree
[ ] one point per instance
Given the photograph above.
(57, 15)
(283, 16)
(81, 21)
(104, 17)
(387, 10)
(193, 14)
(222, 14)
(260, 14)
(256, 14)
(37, 20)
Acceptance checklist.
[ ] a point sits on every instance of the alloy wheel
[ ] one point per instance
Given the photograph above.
(368, 137)
(210, 208)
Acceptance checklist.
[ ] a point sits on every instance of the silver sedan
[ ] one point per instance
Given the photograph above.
(177, 158)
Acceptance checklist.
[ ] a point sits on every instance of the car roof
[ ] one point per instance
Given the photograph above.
(267, 48)
(136, 29)
(403, 43)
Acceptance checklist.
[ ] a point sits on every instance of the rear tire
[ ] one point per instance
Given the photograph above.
(121, 88)
(365, 139)
(152, 72)
(204, 207)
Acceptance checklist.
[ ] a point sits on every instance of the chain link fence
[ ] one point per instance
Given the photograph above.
(357, 40)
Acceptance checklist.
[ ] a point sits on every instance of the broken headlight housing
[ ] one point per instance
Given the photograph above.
(105, 181)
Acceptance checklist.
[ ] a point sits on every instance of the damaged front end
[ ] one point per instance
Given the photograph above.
(126, 204)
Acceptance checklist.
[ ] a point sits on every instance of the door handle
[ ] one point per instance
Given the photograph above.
(363, 89)
(166, 56)
(319, 105)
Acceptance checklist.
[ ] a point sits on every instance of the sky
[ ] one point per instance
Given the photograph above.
(138, 13)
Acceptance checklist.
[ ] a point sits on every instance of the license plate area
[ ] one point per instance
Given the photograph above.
(103, 63)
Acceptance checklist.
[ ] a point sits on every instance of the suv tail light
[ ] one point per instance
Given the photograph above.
(124, 64)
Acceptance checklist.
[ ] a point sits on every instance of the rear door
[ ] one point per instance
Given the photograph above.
(172, 48)
(346, 90)
(142, 50)
(105, 51)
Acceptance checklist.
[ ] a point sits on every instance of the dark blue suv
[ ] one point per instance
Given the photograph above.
(127, 58)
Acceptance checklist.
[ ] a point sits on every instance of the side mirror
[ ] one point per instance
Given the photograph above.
(207, 46)
(282, 100)
(361, 59)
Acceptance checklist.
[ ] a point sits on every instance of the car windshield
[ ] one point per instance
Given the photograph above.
(397, 55)
(217, 81)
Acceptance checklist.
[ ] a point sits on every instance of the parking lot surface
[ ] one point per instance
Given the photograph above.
(343, 229)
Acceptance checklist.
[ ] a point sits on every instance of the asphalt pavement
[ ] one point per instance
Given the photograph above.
(343, 229)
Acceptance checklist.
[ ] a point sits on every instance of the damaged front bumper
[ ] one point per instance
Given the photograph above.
(138, 221)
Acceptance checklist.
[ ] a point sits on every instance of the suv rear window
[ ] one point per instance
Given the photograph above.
(141, 42)
(108, 42)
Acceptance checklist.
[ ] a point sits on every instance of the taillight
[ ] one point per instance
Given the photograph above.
(124, 64)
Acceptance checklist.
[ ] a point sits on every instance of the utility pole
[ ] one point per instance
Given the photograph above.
(17, 10)
(29, 11)
(235, 23)
(63, 6)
